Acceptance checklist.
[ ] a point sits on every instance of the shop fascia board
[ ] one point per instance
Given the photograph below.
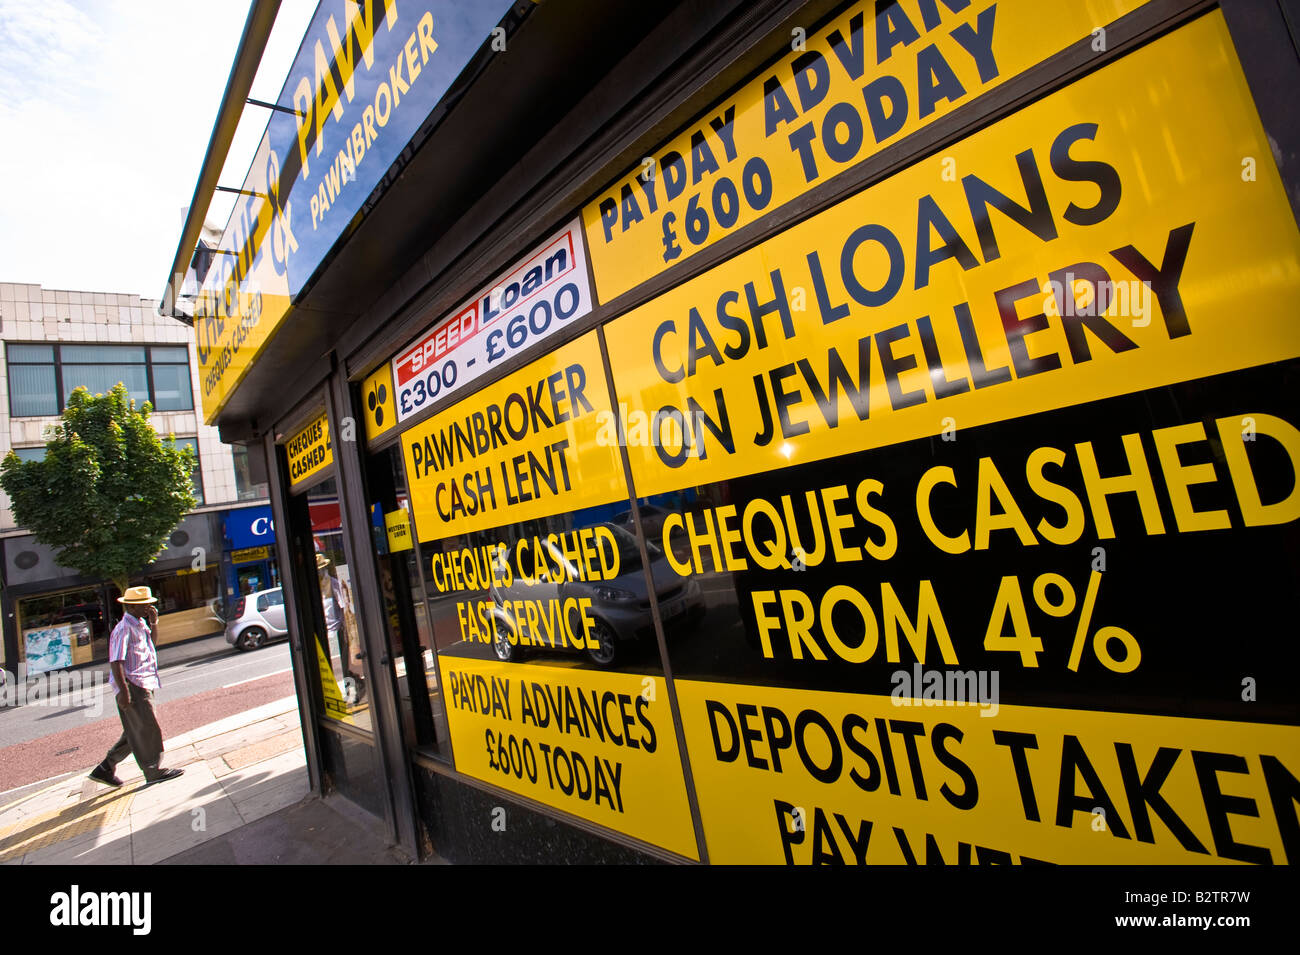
(248, 57)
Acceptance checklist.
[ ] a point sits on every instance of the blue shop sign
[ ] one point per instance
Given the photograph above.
(250, 527)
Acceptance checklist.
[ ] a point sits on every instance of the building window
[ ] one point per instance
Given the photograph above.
(33, 385)
(170, 371)
(41, 377)
(196, 476)
(30, 454)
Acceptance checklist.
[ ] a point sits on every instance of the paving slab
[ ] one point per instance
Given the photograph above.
(315, 831)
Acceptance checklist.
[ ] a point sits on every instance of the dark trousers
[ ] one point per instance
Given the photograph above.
(141, 735)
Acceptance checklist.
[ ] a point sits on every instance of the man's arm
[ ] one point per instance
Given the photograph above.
(119, 677)
(117, 664)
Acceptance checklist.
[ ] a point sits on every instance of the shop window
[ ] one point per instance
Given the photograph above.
(410, 638)
(41, 377)
(185, 604)
(62, 629)
(348, 699)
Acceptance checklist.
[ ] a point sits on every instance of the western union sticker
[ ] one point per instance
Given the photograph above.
(398, 526)
(1096, 243)
(309, 451)
(539, 442)
(869, 78)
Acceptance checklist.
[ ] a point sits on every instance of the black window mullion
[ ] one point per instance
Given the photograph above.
(58, 378)
(148, 377)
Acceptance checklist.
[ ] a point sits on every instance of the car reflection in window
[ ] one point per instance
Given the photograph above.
(618, 608)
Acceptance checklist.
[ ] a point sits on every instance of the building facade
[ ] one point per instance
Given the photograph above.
(780, 431)
(53, 342)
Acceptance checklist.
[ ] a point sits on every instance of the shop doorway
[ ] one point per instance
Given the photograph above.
(333, 650)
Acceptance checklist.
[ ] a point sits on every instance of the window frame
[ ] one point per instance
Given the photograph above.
(197, 476)
(56, 351)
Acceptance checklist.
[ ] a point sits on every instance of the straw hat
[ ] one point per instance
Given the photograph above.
(137, 595)
(322, 561)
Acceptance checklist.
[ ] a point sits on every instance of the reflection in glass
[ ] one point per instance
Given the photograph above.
(410, 644)
(553, 590)
(341, 642)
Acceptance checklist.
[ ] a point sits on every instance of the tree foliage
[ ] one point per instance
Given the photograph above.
(109, 492)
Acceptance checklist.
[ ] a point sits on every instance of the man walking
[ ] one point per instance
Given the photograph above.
(133, 673)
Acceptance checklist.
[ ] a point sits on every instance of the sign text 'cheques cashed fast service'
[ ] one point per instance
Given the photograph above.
(990, 453)
(869, 78)
(367, 75)
(537, 297)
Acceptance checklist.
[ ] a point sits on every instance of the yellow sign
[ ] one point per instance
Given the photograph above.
(246, 294)
(1097, 243)
(377, 393)
(324, 151)
(598, 745)
(538, 442)
(309, 451)
(398, 525)
(802, 776)
(859, 85)
(249, 553)
(335, 706)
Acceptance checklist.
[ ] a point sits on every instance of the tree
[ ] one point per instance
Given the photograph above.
(109, 492)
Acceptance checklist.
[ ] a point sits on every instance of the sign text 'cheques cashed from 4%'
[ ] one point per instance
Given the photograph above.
(1079, 277)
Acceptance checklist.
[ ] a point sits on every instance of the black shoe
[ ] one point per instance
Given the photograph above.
(101, 775)
(164, 775)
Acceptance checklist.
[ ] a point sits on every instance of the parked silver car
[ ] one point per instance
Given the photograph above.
(257, 619)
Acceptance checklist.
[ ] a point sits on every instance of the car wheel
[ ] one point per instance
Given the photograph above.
(506, 651)
(605, 653)
(252, 638)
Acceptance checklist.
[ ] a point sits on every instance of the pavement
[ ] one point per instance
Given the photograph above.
(244, 799)
(62, 736)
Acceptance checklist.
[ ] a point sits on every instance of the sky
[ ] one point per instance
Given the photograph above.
(106, 107)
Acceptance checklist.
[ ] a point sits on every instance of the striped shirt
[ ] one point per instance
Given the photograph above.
(130, 642)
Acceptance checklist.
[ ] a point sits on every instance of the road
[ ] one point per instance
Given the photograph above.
(49, 737)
